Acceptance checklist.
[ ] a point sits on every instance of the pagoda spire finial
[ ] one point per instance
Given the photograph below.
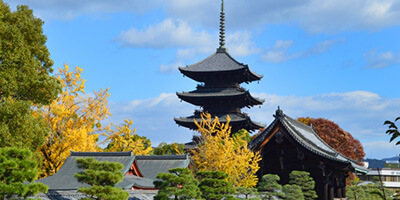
(222, 29)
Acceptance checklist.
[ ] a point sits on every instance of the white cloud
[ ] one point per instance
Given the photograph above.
(71, 9)
(191, 43)
(169, 33)
(315, 16)
(240, 44)
(377, 60)
(361, 113)
(280, 51)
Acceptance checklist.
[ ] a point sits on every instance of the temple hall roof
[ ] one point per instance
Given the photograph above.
(64, 179)
(306, 137)
(150, 166)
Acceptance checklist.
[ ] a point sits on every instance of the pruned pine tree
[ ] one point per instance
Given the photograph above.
(306, 183)
(179, 183)
(214, 185)
(17, 171)
(102, 176)
(270, 186)
(292, 192)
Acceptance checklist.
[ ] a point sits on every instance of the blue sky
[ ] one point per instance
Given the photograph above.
(335, 59)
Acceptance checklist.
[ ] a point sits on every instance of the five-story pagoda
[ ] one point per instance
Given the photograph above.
(220, 94)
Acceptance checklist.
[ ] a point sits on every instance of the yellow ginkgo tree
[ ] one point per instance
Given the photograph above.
(218, 151)
(124, 138)
(74, 119)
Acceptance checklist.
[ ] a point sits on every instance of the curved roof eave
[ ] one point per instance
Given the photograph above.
(323, 149)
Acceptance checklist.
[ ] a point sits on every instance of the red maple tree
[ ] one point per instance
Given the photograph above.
(336, 137)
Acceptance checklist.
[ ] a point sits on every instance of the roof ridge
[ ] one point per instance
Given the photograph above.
(74, 153)
(161, 157)
(315, 133)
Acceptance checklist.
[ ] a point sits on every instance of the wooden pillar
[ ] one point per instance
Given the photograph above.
(331, 192)
(338, 192)
(326, 192)
(344, 191)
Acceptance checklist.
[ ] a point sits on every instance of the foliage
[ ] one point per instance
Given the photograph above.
(219, 152)
(24, 58)
(73, 118)
(25, 78)
(169, 149)
(213, 185)
(370, 191)
(306, 183)
(124, 138)
(292, 192)
(336, 137)
(393, 130)
(16, 169)
(179, 183)
(19, 127)
(269, 184)
(102, 176)
(243, 134)
(247, 192)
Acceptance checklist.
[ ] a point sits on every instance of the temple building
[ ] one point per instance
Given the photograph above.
(287, 145)
(220, 93)
(139, 174)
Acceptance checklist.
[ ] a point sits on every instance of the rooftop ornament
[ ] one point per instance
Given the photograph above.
(222, 48)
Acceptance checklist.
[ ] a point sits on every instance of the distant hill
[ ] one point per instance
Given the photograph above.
(375, 163)
(395, 158)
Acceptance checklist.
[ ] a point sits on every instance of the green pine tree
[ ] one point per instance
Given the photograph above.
(214, 185)
(102, 176)
(179, 183)
(292, 192)
(16, 169)
(306, 183)
(269, 184)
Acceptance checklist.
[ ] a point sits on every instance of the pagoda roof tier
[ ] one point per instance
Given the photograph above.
(238, 121)
(218, 64)
(202, 97)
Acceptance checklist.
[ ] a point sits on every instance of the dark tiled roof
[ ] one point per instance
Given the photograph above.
(220, 62)
(138, 182)
(75, 195)
(64, 179)
(305, 136)
(215, 63)
(150, 166)
(235, 119)
(198, 97)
